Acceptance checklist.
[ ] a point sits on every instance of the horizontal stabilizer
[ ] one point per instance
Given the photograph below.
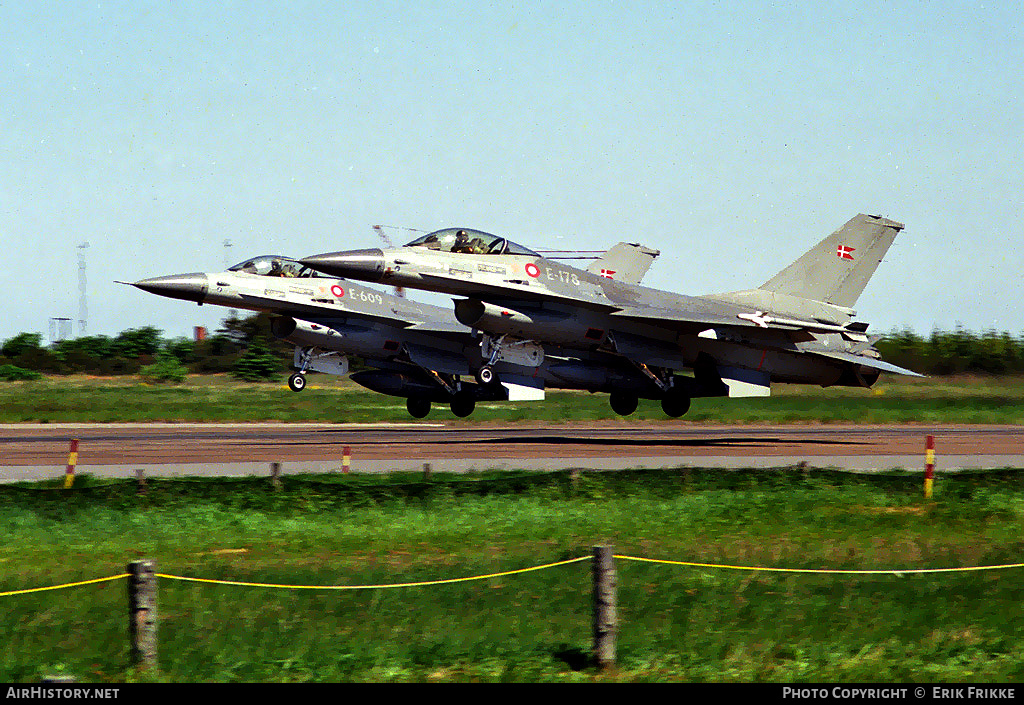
(871, 362)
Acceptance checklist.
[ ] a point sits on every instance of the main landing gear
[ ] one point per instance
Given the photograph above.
(463, 403)
(623, 403)
(418, 408)
(675, 402)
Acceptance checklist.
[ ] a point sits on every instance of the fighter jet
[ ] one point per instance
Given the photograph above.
(420, 351)
(798, 327)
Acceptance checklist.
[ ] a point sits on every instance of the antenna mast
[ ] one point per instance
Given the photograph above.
(83, 308)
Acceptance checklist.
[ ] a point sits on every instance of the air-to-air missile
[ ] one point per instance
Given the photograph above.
(798, 327)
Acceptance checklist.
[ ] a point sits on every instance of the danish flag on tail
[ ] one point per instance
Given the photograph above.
(845, 252)
(607, 273)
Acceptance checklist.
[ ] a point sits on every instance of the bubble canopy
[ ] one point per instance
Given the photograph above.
(470, 242)
(274, 266)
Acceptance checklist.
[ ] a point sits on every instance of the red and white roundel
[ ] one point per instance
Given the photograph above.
(337, 291)
(533, 270)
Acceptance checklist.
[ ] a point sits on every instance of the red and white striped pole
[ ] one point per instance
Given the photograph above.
(929, 465)
(69, 473)
(346, 459)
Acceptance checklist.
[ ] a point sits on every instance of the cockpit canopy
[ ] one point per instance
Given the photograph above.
(274, 266)
(470, 242)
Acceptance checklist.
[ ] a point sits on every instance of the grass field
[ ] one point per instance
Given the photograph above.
(217, 398)
(677, 623)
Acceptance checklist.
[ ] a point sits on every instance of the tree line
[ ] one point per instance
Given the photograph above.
(954, 352)
(245, 347)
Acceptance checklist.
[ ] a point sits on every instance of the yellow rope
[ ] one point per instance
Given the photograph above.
(65, 585)
(820, 571)
(824, 570)
(368, 587)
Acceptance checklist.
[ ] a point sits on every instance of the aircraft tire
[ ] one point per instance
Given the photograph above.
(675, 403)
(418, 408)
(623, 403)
(485, 375)
(462, 404)
(297, 382)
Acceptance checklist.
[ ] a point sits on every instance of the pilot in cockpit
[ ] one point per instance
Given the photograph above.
(461, 244)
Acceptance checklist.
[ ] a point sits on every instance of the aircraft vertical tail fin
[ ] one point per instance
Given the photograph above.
(837, 269)
(624, 262)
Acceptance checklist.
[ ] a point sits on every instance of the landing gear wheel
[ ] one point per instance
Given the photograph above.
(675, 403)
(418, 408)
(297, 382)
(623, 403)
(485, 375)
(463, 404)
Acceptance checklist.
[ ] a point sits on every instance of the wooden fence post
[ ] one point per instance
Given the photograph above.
(275, 475)
(142, 613)
(426, 472)
(606, 620)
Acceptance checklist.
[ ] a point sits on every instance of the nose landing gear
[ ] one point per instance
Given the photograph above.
(485, 375)
(297, 382)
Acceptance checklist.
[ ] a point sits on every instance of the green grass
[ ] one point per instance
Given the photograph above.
(677, 623)
(215, 398)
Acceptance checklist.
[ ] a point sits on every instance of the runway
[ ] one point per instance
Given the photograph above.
(33, 451)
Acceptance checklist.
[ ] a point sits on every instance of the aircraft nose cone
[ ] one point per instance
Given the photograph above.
(190, 287)
(364, 265)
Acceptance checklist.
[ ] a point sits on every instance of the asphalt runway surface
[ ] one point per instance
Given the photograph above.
(34, 451)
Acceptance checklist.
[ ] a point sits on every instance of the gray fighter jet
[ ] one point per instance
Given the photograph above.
(797, 327)
(420, 351)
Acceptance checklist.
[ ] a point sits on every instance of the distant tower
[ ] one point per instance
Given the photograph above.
(83, 308)
(232, 313)
(60, 329)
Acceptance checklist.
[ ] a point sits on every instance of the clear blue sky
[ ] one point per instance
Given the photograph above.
(732, 136)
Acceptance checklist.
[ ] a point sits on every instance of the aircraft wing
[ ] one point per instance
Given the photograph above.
(703, 315)
(679, 320)
(441, 327)
(511, 291)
